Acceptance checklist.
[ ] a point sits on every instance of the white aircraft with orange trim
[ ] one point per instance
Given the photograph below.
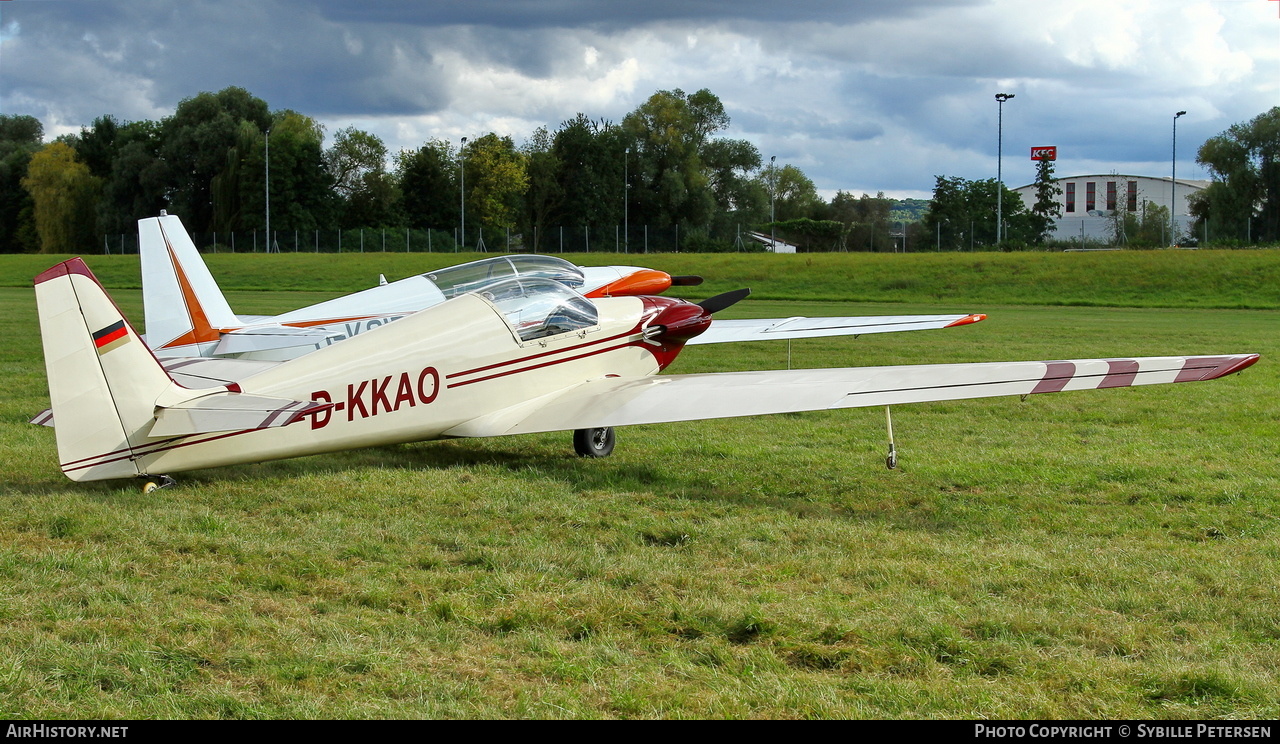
(188, 316)
(522, 355)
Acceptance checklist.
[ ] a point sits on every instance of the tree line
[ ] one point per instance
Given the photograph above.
(963, 214)
(666, 163)
(1244, 198)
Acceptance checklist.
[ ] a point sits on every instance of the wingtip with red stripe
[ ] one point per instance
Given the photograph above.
(1215, 367)
(966, 320)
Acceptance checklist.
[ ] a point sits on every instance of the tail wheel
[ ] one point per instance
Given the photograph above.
(156, 482)
(594, 442)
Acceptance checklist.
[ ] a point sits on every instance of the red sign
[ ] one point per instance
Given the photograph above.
(1044, 153)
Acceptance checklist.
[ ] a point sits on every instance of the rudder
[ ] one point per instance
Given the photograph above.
(181, 300)
(103, 380)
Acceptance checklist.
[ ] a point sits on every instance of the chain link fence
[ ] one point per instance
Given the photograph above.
(558, 239)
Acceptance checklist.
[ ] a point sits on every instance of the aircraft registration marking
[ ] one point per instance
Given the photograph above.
(372, 397)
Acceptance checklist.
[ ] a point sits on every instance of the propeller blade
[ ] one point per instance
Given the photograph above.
(687, 280)
(721, 301)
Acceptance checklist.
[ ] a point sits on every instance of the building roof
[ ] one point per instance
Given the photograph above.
(1193, 183)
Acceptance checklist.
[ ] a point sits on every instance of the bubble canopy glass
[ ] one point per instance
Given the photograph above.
(537, 307)
(468, 277)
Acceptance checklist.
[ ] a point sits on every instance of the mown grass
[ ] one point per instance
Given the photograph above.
(1080, 555)
(1212, 279)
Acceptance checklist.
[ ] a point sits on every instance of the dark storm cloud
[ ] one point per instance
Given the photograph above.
(291, 59)
(863, 94)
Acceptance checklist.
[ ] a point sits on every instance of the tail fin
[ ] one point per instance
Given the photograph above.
(182, 302)
(103, 380)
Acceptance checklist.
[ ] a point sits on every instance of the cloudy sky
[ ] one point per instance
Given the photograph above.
(863, 95)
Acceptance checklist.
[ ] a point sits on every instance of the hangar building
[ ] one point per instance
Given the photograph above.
(1088, 201)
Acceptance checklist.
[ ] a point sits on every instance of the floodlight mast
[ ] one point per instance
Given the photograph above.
(1000, 99)
(1173, 183)
(267, 188)
(462, 189)
(773, 192)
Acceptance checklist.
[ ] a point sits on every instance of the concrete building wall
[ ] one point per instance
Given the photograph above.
(1088, 200)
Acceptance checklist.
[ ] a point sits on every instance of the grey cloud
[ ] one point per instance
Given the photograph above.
(867, 92)
(578, 13)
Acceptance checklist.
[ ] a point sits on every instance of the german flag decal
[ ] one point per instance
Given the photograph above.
(111, 337)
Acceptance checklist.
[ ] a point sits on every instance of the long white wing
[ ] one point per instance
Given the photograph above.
(773, 329)
(664, 398)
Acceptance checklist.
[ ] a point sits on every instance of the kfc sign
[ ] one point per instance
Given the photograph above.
(1044, 153)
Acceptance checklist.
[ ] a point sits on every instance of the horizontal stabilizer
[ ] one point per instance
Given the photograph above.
(648, 400)
(204, 372)
(267, 338)
(777, 329)
(228, 411)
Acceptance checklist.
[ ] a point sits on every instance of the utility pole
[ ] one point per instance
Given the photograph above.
(773, 191)
(626, 201)
(1173, 182)
(268, 189)
(462, 190)
(1000, 99)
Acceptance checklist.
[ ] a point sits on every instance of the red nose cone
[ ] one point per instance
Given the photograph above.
(681, 321)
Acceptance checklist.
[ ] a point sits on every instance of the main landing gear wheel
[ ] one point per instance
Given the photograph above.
(593, 442)
(156, 482)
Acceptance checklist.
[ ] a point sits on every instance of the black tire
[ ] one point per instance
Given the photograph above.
(593, 442)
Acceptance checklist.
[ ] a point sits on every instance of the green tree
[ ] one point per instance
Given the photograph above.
(866, 220)
(301, 193)
(96, 146)
(963, 213)
(126, 157)
(544, 197)
(357, 163)
(20, 138)
(950, 216)
(671, 184)
(496, 181)
(63, 192)
(729, 163)
(428, 182)
(590, 156)
(1146, 228)
(194, 148)
(794, 195)
(1244, 198)
(1047, 209)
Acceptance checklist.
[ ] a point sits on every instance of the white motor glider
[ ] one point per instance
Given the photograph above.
(188, 316)
(524, 355)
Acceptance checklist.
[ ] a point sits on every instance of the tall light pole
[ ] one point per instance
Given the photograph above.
(462, 191)
(1000, 99)
(626, 201)
(1173, 182)
(268, 189)
(773, 191)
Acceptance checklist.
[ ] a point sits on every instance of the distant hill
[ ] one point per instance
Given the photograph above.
(909, 210)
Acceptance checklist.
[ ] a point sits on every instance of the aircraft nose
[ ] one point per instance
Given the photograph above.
(681, 321)
(637, 283)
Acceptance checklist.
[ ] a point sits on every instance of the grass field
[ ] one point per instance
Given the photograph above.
(1086, 555)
